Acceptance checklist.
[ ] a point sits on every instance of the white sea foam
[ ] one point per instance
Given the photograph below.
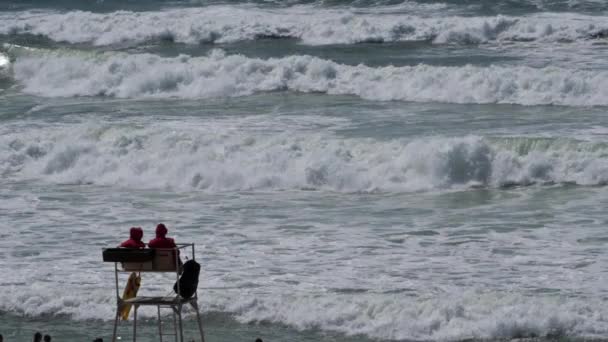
(311, 25)
(5, 67)
(4, 62)
(449, 316)
(217, 75)
(352, 266)
(445, 317)
(216, 159)
(327, 277)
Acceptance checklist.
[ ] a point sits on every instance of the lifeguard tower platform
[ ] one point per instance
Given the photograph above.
(159, 260)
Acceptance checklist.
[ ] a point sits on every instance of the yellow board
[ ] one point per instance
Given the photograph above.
(130, 292)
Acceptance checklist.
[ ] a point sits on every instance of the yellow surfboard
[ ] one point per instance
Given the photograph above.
(130, 291)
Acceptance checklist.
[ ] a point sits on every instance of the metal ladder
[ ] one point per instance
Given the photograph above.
(161, 333)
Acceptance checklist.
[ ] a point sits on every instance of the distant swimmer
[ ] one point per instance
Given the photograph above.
(47, 338)
(161, 240)
(136, 234)
(37, 337)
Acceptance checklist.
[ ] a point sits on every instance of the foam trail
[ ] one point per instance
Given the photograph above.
(311, 25)
(217, 159)
(218, 75)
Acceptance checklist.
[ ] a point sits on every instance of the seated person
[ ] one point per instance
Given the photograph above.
(161, 240)
(134, 241)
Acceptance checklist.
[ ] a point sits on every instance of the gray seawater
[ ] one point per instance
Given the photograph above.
(349, 171)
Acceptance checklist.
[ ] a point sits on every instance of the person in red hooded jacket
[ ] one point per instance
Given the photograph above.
(136, 233)
(161, 240)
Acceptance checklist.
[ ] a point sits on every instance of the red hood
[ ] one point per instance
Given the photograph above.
(136, 233)
(161, 231)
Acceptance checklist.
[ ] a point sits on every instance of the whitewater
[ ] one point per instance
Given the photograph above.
(222, 24)
(349, 171)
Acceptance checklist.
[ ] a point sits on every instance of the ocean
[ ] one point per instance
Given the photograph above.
(349, 170)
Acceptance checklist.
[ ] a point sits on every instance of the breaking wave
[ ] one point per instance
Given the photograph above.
(501, 6)
(449, 317)
(218, 75)
(310, 25)
(216, 160)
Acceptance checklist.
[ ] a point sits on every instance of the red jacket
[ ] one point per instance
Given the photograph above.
(161, 240)
(136, 233)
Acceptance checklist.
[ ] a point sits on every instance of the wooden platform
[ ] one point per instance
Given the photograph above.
(170, 300)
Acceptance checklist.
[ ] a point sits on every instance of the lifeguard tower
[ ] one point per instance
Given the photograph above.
(159, 260)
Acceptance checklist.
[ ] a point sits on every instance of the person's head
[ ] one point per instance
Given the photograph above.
(258, 340)
(136, 233)
(37, 337)
(47, 338)
(161, 231)
(99, 339)
(1, 338)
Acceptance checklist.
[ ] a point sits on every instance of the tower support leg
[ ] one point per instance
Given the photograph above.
(135, 323)
(174, 323)
(116, 320)
(198, 319)
(179, 321)
(160, 323)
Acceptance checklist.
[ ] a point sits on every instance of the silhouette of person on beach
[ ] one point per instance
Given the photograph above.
(134, 241)
(258, 340)
(37, 337)
(1, 338)
(99, 339)
(47, 338)
(161, 240)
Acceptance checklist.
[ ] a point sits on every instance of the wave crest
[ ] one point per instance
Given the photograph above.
(311, 25)
(217, 75)
(448, 317)
(215, 161)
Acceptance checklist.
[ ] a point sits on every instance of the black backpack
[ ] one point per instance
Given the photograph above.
(188, 282)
